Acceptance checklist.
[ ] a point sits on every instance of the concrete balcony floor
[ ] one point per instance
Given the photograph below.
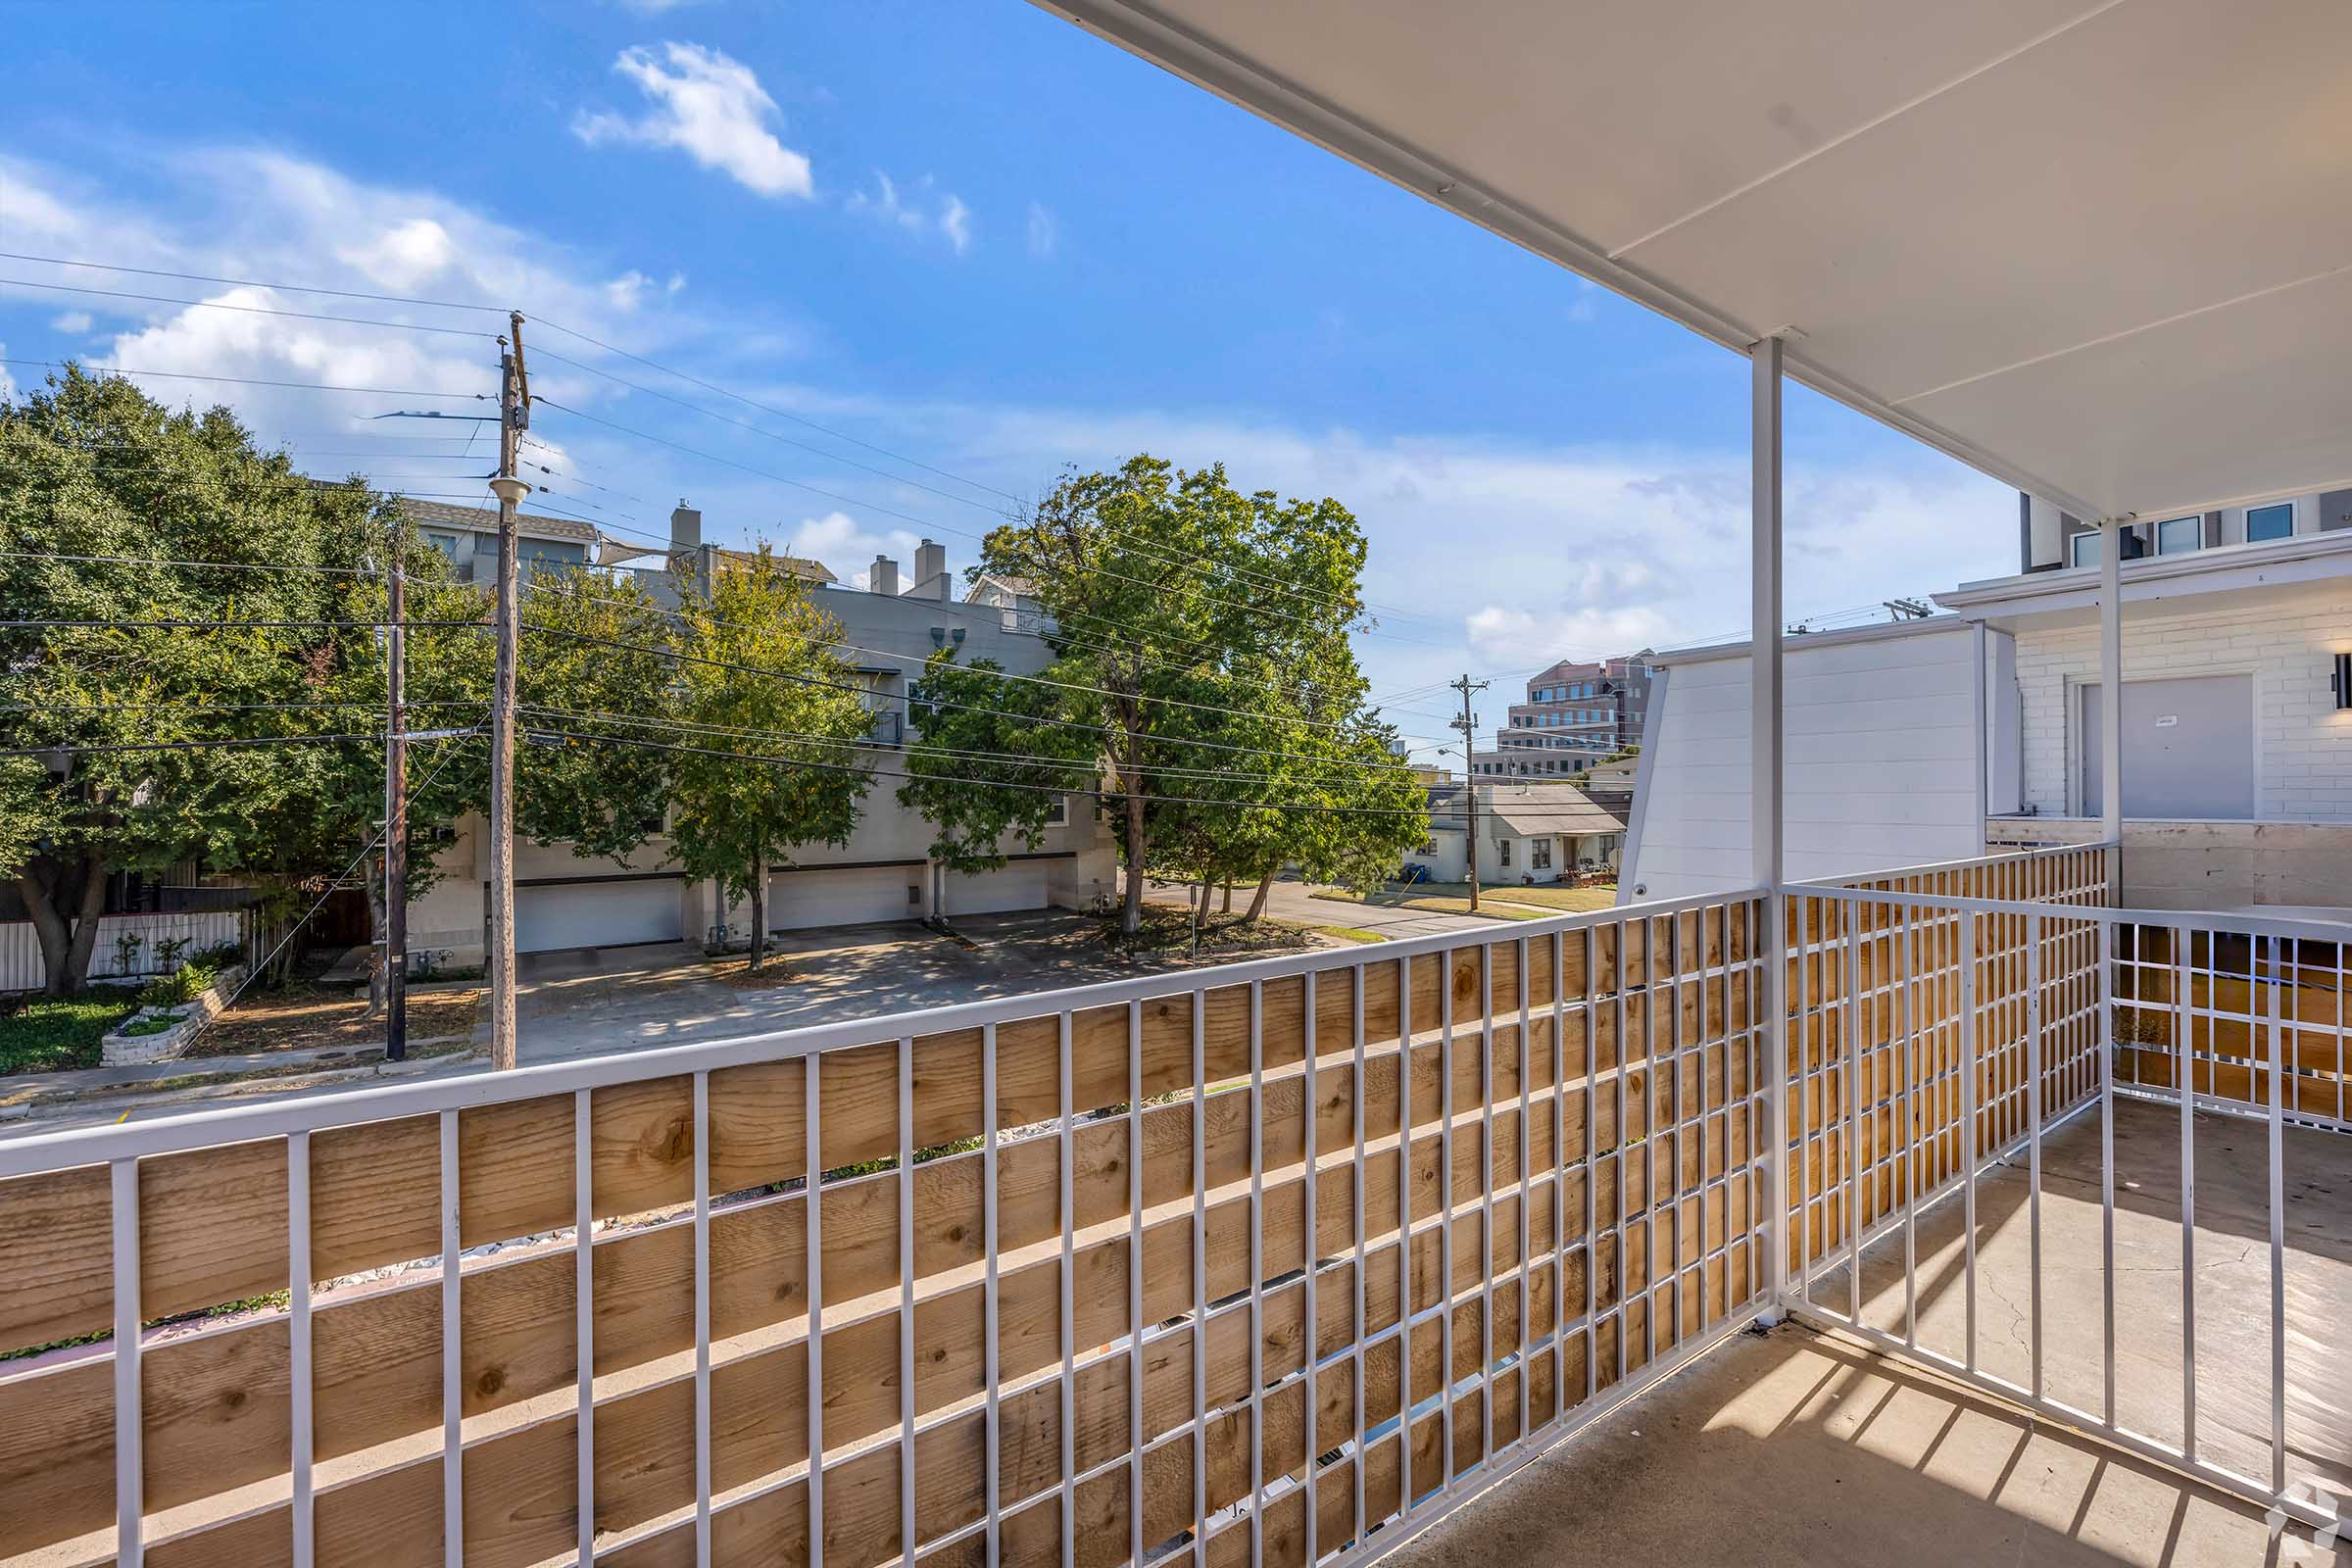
(1804, 1448)
(1801, 1446)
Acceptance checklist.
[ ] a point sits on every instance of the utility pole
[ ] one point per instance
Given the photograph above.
(1468, 725)
(396, 804)
(515, 417)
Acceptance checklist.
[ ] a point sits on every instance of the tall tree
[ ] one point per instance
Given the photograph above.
(105, 499)
(114, 509)
(1202, 670)
(598, 662)
(774, 717)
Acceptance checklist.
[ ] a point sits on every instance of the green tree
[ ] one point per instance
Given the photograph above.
(596, 661)
(114, 508)
(93, 469)
(1203, 672)
(774, 717)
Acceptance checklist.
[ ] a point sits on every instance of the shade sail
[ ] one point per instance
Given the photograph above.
(2104, 251)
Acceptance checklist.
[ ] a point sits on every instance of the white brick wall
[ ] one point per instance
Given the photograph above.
(2286, 641)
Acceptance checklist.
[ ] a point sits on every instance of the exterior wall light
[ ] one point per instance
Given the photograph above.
(2341, 680)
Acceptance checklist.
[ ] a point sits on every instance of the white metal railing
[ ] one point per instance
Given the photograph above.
(2244, 1010)
(1942, 1050)
(1633, 1029)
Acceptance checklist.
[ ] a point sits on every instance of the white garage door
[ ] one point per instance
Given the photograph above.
(811, 901)
(1019, 885)
(597, 914)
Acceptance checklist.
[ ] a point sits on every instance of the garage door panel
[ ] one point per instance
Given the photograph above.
(1019, 885)
(816, 899)
(597, 914)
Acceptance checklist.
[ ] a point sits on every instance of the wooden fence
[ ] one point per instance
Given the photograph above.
(2212, 1004)
(1100, 1274)
(1881, 996)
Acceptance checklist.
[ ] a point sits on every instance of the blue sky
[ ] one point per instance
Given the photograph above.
(965, 232)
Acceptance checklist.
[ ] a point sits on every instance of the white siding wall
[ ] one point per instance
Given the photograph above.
(2303, 766)
(1881, 749)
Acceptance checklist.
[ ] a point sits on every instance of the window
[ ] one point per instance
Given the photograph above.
(2177, 536)
(2270, 522)
(1538, 854)
(2082, 549)
(1502, 853)
(1059, 817)
(1429, 846)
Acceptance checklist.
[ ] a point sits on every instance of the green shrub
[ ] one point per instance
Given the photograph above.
(47, 1034)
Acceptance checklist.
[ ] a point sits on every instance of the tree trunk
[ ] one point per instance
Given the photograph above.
(64, 919)
(1227, 907)
(1257, 902)
(85, 924)
(1131, 909)
(1200, 916)
(760, 914)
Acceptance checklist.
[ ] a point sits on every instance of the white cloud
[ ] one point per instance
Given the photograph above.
(918, 207)
(1044, 231)
(1499, 557)
(8, 383)
(709, 107)
(955, 222)
(406, 255)
(844, 544)
(243, 213)
(655, 8)
(74, 322)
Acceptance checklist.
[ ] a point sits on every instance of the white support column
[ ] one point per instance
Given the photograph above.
(2110, 703)
(1984, 729)
(1765, 818)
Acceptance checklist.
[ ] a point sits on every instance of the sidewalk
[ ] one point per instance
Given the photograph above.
(46, 1101)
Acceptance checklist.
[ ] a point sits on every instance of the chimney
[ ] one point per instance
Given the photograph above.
(931, 560)
(685, 527)
(884, 578)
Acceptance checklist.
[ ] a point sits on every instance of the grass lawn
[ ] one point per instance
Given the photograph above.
(1350, 933)
(1438, 902)
(1556, 898)
(49, 1034)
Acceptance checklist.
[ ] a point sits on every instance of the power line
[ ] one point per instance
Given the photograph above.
(253, 971)
(1091, 767)
(241, 380)
(236, 625)
(936, 701)
(1045, 789)
(246, 282)
(214, 707)
(244, 310)
(188, 746)
(1100, 691)
(213, 565)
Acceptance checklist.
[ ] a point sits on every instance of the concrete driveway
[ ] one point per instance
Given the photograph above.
(1292, 900)
(630, 999)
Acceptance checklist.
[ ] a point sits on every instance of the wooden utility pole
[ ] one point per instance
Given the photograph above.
(396, 804)
(515, 417)
(1468, 725)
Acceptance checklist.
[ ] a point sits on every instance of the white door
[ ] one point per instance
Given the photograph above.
(1019, 885)
(597, 914)
(819, 900)
(2189, 749)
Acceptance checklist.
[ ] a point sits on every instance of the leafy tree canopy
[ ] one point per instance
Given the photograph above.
(1202, 671)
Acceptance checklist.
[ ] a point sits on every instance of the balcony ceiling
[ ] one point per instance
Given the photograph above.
(2104, 251)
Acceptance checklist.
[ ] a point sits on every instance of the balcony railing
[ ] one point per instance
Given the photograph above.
(1118, 1272)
